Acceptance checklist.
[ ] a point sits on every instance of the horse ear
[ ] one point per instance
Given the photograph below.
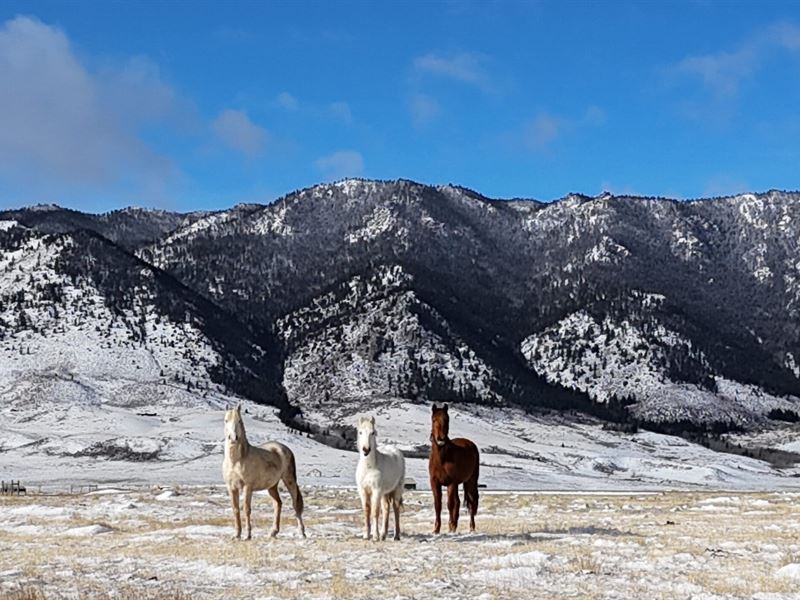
(445, 407)
(239, 408)
(372, 420)
(433, 407)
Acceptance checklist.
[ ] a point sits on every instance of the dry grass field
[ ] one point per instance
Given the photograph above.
(176, 545)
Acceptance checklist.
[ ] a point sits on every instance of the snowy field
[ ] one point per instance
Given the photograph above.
(570, 510)
(57, 446)
(176, 543)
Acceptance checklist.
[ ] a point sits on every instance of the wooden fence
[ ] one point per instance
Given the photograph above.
(11, 488)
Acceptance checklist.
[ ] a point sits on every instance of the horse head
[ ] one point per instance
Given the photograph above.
(366, 435)
(234, 427)
(440, 425)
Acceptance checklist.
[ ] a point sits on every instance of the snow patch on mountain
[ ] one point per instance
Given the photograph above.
(62, 337)
(685, 245)
(272, 221)
(373, 339)
(629, 361)
(379, 221)
(791, 364)
(606, 251)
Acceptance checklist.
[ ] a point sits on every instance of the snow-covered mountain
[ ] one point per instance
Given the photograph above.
(360, 291)
(83, 321)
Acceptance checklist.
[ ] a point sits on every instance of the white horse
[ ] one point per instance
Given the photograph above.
(247, 469)
(380, 476)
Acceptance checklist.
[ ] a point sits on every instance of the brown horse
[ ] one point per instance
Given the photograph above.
(451, 463)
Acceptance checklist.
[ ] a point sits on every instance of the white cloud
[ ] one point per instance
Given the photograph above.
(342, 112)
(542, 131)
(235, 129)
(62, 124)
(344, 163)
(424, 109)
(465, 67)
(723, 72)
(286, 101)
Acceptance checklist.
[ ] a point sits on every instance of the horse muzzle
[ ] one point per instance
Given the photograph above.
(366, 451)
(441, 442)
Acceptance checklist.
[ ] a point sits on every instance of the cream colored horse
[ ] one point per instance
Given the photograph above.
(247, 469)
(380, 476)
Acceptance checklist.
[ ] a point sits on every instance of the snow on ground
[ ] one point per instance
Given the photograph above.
(58, 446)
(786, 438)
(566, 545)
(62, 444)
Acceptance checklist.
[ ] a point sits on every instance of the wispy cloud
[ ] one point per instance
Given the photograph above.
(65, 125)
(341, 112)
(470, 68)
(235, 129)
(344, 163)
(540, 133)
(722, 73)
(286, 101)
(424, 109)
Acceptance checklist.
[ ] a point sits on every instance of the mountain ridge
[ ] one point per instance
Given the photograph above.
(505, 280)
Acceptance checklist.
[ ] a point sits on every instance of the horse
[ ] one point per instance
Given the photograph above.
(380, 476)
(247, 469)
(452, 462)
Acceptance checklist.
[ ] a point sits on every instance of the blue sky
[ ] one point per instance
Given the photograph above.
(186, 105)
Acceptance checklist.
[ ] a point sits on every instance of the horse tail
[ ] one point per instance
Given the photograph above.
(471, 485)
(290, 481)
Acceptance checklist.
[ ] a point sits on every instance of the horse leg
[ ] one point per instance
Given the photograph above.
(276, 510)
(376, 515)
(237, 519)
(248, 501)
(365, 498)
(437, 505)
(386, 506)
(396, 504)
(471, 497)
(453, 506)
(297, 504)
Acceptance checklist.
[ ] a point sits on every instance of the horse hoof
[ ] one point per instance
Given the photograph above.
(397, 537)
(273, 533)
(366, 536)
